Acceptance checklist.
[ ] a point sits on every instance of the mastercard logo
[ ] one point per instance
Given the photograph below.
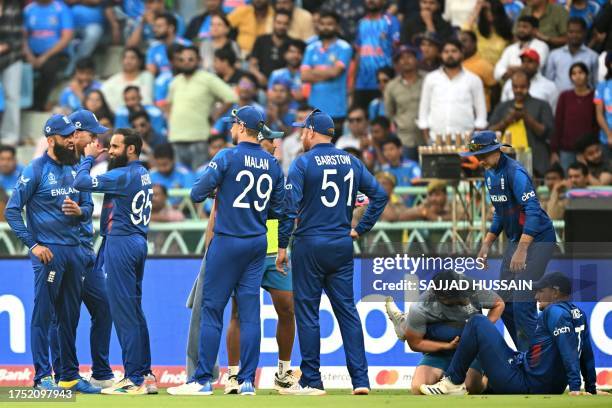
(390, 377)
(604, 378)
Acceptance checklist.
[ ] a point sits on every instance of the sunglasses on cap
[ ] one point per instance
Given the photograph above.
(309, 119)
(476, 147)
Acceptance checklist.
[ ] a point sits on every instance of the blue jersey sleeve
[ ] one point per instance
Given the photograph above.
(345, 56)
(587, 364)
(66, 18)
(394, 31)
(86, 204)
(525, 195)
(307, 60)
(113, 182)
(496, 224)
(150, 57)
(559, 324)
(293, 200)
(211, 177)
(378, 200)
(24, 190)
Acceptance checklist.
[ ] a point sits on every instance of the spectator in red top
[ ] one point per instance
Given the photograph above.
(574, 117)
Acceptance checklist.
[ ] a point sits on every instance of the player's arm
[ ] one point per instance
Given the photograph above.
(559, 324)
(83, 209)
(24, 189)
(587, 364)
(211, 178)
(418, 342)
(113, 182)
(368, 185)
(293, 199)
(524, 194)
(496, 310)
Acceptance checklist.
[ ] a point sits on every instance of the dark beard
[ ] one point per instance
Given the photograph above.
(326, 36)
(189, 71)
(524, 38)
(117, 161)
(162, 37)
(451, 64)
(65, 156)
(374, 9)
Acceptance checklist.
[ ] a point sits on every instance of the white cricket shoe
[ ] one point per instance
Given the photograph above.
(191, 388)
(396, 316)
(150, 382)
(232, 386)
(297, 389)
(247, 388)
(285, 381)
(102, 383)
(443, 387)
(361, 391)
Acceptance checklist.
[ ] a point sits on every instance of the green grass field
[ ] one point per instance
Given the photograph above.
(334, 399)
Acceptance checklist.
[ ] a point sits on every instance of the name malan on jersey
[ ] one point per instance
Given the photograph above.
(256, 162)
(332, 159)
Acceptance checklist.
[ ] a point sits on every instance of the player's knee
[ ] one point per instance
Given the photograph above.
(284, 309)
(477, 320)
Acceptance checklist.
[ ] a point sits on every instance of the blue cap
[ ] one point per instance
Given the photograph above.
(267, 133)
(555, 280)
(248, 115)
(86, 120)
(318, 121)
(406, 49)
(59, 125)
(482, 142)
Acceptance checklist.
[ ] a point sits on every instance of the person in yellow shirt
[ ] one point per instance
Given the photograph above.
(493, 29)
(280, 288)
(251, 21)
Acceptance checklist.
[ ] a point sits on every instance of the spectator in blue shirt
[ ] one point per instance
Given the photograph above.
(140, 20)
(82, 83)
(133, 103)
(165, 35)
(89, 21)
(377, 36)
(404, 169)
(513, 8)
(325, 66)
(585, 9)
(49, 29)
(199, 26)
(281, 109)
(376, 107)
(9, 168)
(293, 54)
(151, 138)
(161, 85)
(168, 172)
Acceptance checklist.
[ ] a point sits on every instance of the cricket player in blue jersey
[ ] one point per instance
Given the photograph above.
(322, 188)
(124, 224)
(94, 285)
(528, 228)
(249, 182)
(54, 212)
(559, 351)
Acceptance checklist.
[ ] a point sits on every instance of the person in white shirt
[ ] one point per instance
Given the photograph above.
(510, 61)
(357, 136)
(457, 12)
(291, 146)
(453, 99)
(540, 87)
(132, 73)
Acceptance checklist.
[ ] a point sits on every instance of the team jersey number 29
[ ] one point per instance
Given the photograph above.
(142, 206)
(264, 190)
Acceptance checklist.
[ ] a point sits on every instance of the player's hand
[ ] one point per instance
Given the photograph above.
(484, 254)
(354, 234)
(93, 149)
(281, 260)
(43, 254)
(518, 263)
(453, 343)
(578, 393)
(70, 207)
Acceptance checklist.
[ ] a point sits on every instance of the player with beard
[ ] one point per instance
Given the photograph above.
(600, 170)
(94, 285)
(164, 28)
(54, 212)
(124, 225)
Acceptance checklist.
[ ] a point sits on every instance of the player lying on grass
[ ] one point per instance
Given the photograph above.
(560, 351)
(433, 326)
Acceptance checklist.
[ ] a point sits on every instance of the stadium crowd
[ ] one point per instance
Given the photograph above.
(394, 75)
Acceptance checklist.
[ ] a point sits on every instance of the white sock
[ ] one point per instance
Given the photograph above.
(232, 370)
(283, 367)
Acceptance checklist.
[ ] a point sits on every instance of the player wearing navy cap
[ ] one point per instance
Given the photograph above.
(559, 351)
(94, 285)
(124, 224)
(54, 212)
(322, 188)
(279, 285)
(529, 231)
(249, 182)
